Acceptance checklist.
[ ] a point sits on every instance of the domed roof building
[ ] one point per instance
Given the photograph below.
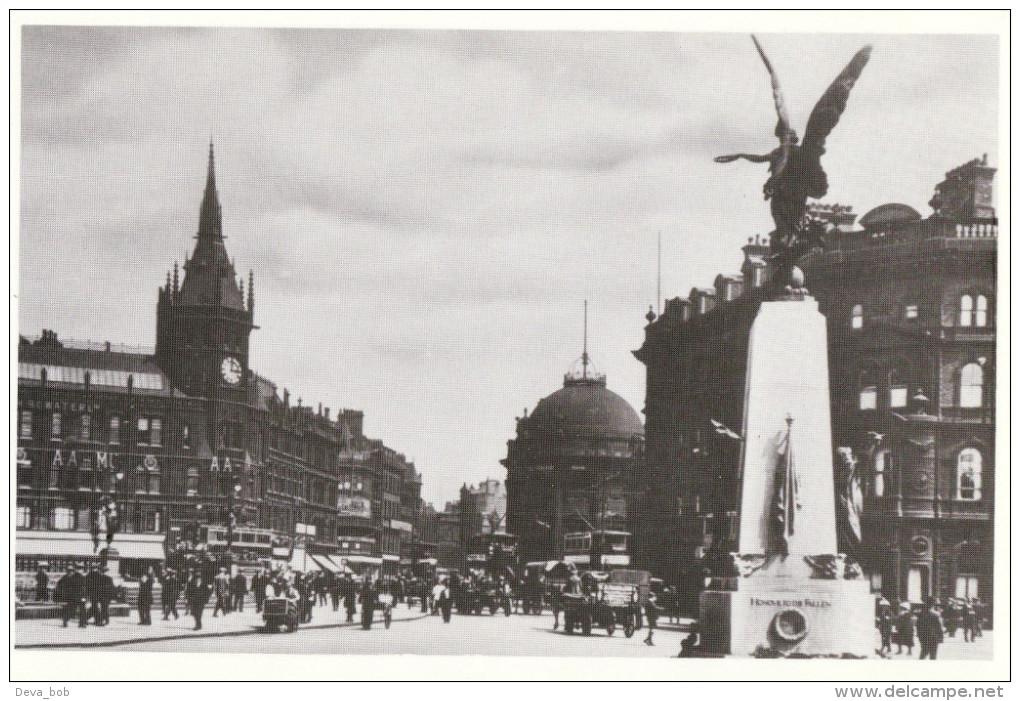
(573, 473)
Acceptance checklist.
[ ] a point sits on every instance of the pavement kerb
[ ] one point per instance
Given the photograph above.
(194, 635)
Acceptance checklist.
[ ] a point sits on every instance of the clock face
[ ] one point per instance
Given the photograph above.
(230, 370)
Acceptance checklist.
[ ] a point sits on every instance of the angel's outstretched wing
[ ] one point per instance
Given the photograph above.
(753, 157)
(826, 113)
(783, 131)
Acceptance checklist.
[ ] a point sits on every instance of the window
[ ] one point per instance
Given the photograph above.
(26, 424)
(62, 519)
(911, 311)
(86, 427)
(971, 386)
(981, 311)
(24, 517)
(917, 584)
(869, 398)
(897, 397)
(153, 484)
(968, 475)
(966, 586)
(185, 436)
(883, 467)
(966, 310)
(114, 430)
(55, 427)
(876, 582)
(191, 484)
(897, 391)
(150, 431)
(857, 317)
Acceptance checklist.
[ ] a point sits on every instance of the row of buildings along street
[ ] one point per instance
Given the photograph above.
(185, 449)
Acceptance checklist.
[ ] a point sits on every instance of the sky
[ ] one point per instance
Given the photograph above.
(425, 211)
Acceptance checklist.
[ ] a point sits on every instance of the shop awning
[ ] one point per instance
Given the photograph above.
(342, 568)
(54, 546)
(362, 559)
(139, 550)
(325, 563)
(301, 561)
(79, 545)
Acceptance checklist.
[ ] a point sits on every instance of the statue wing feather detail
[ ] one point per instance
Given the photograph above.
(827, 112)
(783, 130)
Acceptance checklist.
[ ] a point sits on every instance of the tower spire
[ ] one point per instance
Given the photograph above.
(210, 223)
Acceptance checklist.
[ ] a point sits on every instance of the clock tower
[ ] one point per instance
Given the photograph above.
(203, 323)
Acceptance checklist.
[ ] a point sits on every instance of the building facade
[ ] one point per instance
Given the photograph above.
(188, 434)
(910, 307)
(574, 475)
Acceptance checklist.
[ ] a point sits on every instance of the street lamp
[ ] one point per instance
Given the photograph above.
(113, 515)
(231, 495)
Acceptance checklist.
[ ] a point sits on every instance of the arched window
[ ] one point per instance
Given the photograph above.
(883, 468)
(966, 310)
(971, 386)
(968, 474)
(857, 317)
(981, 311)
(897, 391)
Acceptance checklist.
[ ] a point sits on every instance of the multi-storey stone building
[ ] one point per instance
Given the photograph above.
(190, 434)
(574, 475)
(910, 305)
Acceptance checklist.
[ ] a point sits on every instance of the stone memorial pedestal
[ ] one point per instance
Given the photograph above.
(790, 595)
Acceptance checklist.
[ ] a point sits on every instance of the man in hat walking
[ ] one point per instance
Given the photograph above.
(171, 591)
(70, 591)
(886, 622)
(929, 630)
(107, 593)
(221, 587)
(197, 595)
(42, 585)
(145, 587)
(239, 587)
(652, 614)
(904, 635)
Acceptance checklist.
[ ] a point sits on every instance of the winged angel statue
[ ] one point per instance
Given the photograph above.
(796, 168)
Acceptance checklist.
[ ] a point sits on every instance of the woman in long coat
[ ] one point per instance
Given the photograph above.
(904, 635)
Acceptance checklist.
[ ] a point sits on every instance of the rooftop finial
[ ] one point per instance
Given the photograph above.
(584, 355)
(251, 291)
(210, 181)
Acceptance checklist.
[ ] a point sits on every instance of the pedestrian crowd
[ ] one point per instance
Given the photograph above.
(928, 627)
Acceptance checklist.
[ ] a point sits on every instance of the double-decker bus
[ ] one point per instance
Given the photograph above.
(492, 553)
(579, 548)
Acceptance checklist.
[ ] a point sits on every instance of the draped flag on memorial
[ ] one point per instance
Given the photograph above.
(787, 499)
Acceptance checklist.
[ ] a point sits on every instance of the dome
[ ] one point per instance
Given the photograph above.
(585, 408)
(886, 214)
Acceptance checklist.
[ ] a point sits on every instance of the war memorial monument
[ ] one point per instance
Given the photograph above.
(792, 591)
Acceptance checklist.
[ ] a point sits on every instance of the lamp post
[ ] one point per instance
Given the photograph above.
(198, 523)
(231, 495)
(113, 513)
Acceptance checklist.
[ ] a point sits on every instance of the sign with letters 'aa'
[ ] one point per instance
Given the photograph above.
(354, 506)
